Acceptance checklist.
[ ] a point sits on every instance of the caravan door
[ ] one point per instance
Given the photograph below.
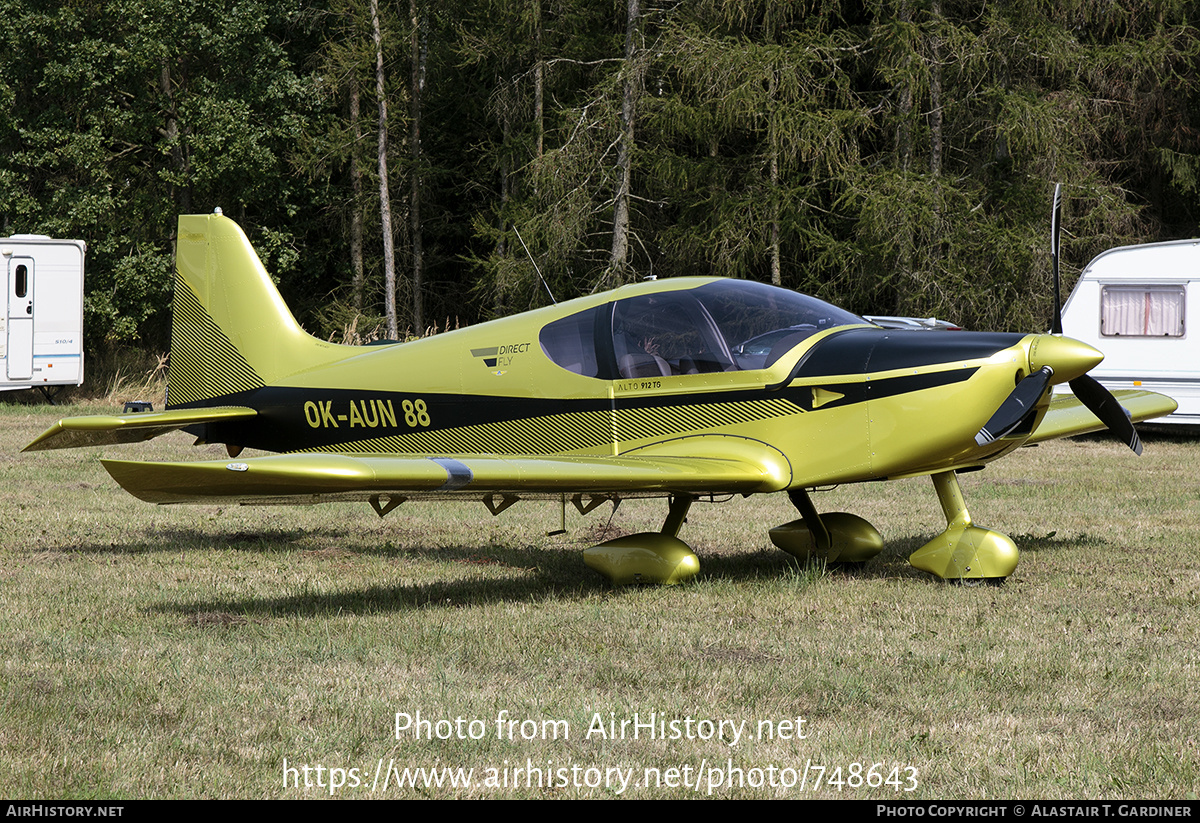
(20, 318)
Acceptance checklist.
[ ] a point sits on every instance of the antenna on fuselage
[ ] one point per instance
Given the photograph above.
(535, 266)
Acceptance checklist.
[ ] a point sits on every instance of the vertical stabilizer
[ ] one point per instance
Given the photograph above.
(231, 332)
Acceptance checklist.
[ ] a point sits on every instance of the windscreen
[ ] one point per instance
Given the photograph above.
(726, 325)
(761, 323)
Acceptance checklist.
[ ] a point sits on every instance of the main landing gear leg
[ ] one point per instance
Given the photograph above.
(677, 513)
(648, 557)
(964, 551)
(818, 533)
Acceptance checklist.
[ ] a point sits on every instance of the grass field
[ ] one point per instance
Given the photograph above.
(271, 652)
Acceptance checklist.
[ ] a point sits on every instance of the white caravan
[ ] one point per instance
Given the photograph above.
(41, 318)
(1134, 304)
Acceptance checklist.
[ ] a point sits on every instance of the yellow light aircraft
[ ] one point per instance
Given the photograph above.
(685, 389)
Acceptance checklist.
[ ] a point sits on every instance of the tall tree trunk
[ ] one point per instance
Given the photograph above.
(935, 90)
(618, 261)
(171, 132)
(903, 123)
(776, 266)
(714, 193)
(539, 81)
(935, 126)
(385, 200)
(501, 286)
(356, 190)
(773, 127)
(419, 56)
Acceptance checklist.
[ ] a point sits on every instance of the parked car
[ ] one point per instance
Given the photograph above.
(911, 323)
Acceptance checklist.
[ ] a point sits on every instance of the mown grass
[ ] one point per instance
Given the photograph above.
(189, 651)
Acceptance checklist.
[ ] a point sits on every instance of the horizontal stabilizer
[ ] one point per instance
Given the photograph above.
(108, 429)
(315, 478)
(1068, 416)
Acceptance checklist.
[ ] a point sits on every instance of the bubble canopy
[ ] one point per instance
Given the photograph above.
(722, 325)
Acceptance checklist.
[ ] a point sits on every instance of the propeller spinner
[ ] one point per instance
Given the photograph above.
(1056, 360)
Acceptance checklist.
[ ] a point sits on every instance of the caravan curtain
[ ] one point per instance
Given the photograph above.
(1141, 311)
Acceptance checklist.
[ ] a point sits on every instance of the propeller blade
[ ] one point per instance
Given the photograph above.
(1101, 403)
(1055, 214)
(1095, 397)
(1017, 407)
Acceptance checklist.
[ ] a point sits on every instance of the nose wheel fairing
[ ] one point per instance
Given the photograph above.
(963, 551)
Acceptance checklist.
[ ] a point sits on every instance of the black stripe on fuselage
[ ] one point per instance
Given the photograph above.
(283, 424)
(294, 419)
(867, 351)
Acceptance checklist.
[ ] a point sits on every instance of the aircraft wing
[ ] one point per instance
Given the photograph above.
(320, 477)
(1067, 416)
(104, 430)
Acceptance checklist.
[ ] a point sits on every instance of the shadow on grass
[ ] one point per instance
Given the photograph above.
(1167, 433)
(893, 560)
(195, 540)
(558, 573)
(505, 574)
(475, 573)
(1162, 435)
(380, 599)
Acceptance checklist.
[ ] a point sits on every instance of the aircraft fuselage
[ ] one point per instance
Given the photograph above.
(870, 403)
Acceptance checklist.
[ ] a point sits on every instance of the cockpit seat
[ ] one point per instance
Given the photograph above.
(643, 364)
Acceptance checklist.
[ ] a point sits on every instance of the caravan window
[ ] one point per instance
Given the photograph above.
(1141, 311)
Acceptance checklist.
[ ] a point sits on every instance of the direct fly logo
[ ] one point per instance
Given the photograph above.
(497, 358)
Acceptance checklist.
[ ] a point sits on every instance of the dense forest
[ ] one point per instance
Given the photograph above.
(892, 156)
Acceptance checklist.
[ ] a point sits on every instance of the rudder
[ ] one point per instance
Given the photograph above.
(231, 332)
